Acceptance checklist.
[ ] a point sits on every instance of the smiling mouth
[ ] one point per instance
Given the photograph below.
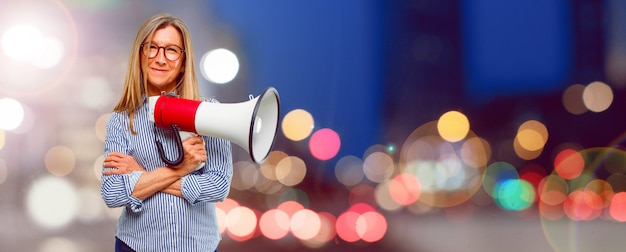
(158, 70)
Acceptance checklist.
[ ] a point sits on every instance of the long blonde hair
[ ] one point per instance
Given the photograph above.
(136, 84)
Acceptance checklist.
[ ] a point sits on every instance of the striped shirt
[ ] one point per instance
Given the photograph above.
(164, 222)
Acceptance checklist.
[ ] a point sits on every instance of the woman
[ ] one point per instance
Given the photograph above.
(166, 208)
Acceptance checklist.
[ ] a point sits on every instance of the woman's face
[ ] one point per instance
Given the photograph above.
(162, 72)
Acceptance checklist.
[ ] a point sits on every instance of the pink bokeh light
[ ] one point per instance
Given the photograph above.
(324, 144)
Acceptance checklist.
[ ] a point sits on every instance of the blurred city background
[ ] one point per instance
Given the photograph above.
(411, 125)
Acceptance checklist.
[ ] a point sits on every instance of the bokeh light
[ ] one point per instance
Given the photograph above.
(97, 167)
(56, 243)
(25, 42)
(598, 96)
(371, 226)
(361, 222)
(50, 53)
(617, 208)
(240, 223)
(530, 139)
(305, 224)
(274, 224)
(294, 194)
(245, 177)
(476, 152)
(582, 205)
(297, 124)
(514, 194)
(95, 93)
(532, 135)
(3, 137)
(362, 193)
(100, 126)
(11, 114)
(324, 144)
(219, 66)
(453, 126)
(22, 41)
(497, 173)
(569, 164)
(290, 171)
(405, 189)
(326, 231)
(29, 121)
(573, 99)
(60, 160)
(4, 171)
(378, 166)
(90, 208)
(384, 200)
(346, 226)
(349, 170)
(52, 202)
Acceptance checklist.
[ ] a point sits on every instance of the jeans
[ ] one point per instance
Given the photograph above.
(120, 246)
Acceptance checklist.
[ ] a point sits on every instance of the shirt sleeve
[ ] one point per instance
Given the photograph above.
(212, 183)
(116, 189)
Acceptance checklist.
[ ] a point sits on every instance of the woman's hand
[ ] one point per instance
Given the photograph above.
(120, 164)
(195, 154)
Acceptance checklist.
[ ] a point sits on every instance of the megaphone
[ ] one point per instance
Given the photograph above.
(251, 124)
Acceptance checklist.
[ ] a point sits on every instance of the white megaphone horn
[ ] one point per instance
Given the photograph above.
(251, 124)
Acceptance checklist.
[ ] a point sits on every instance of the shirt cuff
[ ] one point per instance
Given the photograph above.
(136, 205)
(190, 188)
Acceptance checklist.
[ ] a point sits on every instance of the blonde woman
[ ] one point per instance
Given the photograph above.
(165, 207)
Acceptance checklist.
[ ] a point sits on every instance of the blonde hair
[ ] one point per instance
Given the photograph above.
(136, 84)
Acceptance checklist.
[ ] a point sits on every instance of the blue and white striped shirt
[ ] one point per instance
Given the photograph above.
(164, 222)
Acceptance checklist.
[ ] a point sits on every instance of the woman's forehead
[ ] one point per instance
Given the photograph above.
(167, 36)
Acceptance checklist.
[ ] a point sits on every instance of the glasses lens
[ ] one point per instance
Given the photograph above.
(172, 52)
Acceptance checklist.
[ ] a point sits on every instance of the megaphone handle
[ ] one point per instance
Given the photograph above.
(183, 136)
(179, 147)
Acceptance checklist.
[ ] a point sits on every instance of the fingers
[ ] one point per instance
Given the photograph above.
(114, 157)
(196, 140)
(108, 172)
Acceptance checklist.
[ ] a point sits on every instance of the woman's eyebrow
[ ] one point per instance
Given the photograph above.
(165, 44)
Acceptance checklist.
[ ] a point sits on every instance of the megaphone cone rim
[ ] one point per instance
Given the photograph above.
(254, 114)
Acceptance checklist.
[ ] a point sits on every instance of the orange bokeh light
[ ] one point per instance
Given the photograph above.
(361, 222)
(305, 224)
(583, 205)
(617, 209)
(241, 222)
(405, 189)
(569, 164)
(274, 224)
(371, 226)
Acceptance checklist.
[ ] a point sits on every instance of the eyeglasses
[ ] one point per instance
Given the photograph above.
(172, 52)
